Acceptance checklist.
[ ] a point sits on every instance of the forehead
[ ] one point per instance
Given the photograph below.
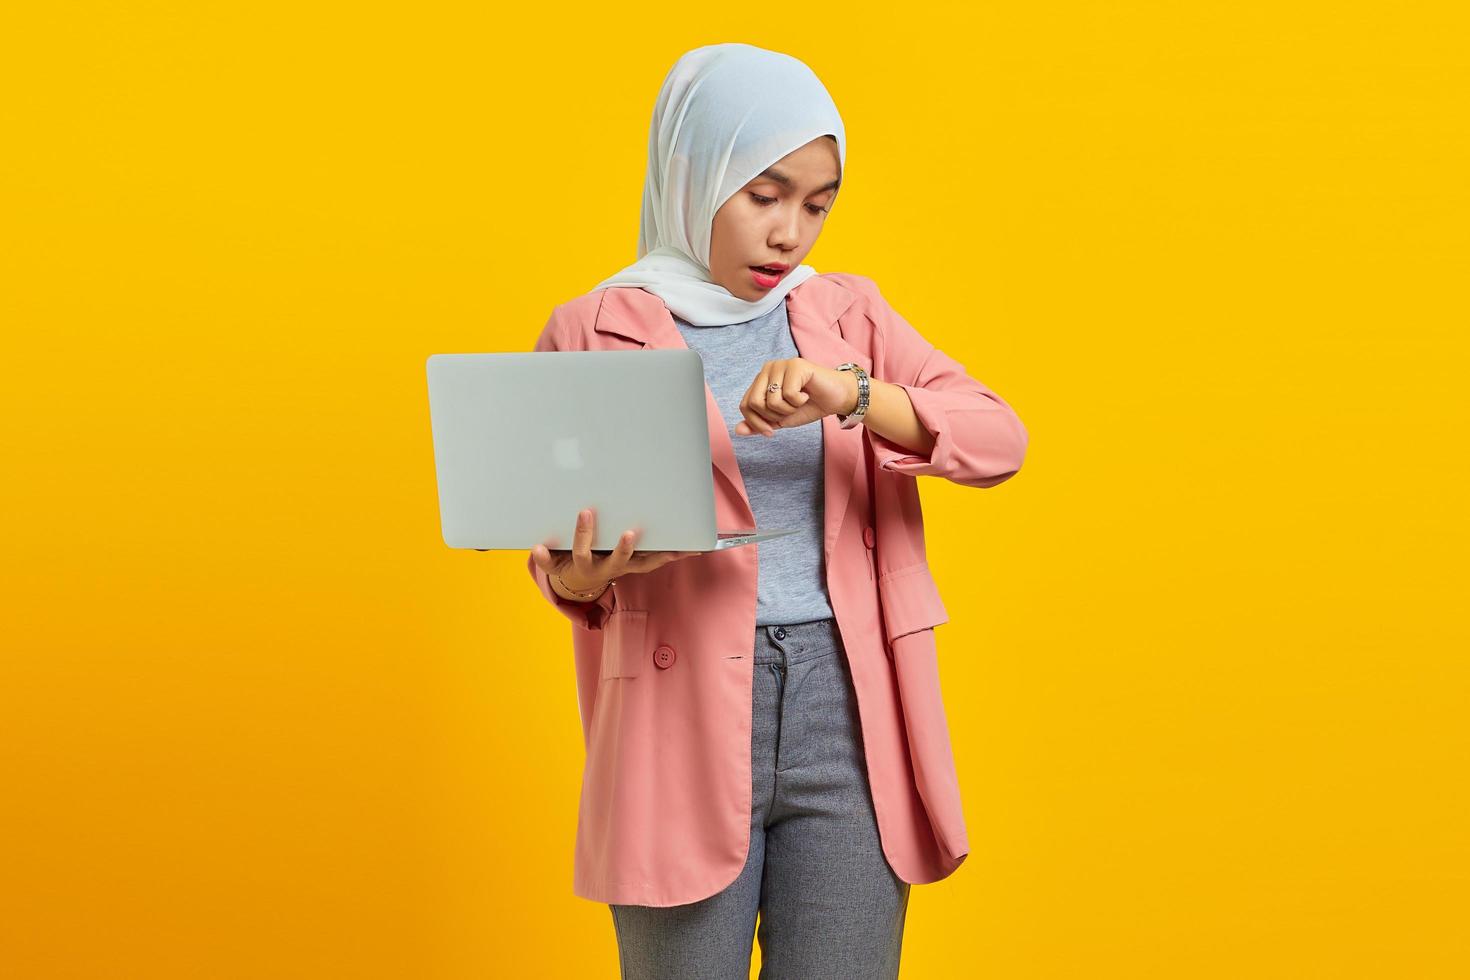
(780, 174)
(815, 163)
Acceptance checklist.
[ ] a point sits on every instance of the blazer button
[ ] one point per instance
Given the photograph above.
(869, 536)
(664, 656)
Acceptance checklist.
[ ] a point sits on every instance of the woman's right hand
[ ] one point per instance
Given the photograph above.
(583, 570)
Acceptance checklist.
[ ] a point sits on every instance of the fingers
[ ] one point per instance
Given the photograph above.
(588, 566)
(583, 535)
(753, 405)
(776, 403)
(617, 561)
(766, 403)
(583, 564)
(599, 566)
(662, 558)
(647, 561)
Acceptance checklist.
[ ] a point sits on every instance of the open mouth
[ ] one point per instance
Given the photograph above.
(767, 270)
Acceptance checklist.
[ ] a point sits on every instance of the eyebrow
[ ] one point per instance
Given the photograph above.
(786, 181)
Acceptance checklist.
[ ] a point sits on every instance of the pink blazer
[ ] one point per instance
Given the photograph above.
(663, 658)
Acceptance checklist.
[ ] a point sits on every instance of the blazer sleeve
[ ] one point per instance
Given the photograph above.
(979, 440)
(588, 615)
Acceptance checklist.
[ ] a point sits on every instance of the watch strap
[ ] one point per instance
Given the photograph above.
(855, 417)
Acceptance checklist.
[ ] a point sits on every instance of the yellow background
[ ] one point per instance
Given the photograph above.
(1206, 661)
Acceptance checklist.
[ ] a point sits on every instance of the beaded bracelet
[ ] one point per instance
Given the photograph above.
(583, 596)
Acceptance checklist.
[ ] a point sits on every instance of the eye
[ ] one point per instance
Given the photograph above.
(764, 201)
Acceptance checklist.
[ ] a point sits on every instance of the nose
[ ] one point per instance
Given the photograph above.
(788, 233)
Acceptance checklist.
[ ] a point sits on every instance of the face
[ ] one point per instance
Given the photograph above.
(775, 218)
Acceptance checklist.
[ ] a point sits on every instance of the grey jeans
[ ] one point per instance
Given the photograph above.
(829, 904)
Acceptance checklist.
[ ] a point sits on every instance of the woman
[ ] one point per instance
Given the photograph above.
(807, 775)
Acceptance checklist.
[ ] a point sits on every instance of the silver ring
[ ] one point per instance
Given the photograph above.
(773, 387)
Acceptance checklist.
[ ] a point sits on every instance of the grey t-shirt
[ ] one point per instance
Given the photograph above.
(782, 473)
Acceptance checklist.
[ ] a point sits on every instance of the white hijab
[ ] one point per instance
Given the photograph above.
(725, 113)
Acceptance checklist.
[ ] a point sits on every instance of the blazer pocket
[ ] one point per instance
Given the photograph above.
(624, 636)
(910, 600)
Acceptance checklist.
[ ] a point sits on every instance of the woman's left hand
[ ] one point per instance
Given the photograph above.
(807, 393)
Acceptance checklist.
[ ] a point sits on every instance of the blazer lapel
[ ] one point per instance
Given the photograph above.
(813, 309)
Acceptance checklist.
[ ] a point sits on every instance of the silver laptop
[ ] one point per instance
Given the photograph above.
(525, 440)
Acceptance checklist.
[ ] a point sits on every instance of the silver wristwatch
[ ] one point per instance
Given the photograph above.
(848, 421)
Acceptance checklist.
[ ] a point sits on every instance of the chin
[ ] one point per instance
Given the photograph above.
(744, 292)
